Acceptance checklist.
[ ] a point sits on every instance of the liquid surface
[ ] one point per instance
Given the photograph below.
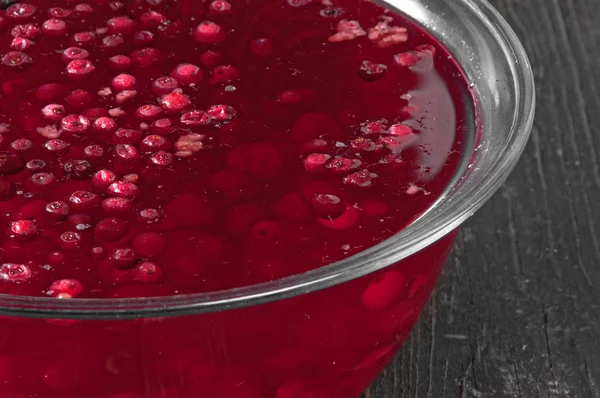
(162, 147)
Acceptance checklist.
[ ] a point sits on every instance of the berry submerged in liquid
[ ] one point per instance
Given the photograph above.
(277, 134)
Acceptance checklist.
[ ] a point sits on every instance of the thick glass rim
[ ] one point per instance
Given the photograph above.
(431, 226)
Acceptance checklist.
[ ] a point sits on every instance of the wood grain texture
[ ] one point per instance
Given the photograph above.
(517, 310)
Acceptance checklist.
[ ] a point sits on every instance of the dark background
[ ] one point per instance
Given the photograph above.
(517, 311)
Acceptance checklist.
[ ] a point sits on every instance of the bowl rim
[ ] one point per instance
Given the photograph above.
(405, 243)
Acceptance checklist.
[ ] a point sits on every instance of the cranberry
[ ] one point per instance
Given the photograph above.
(78, 98)
(346, 220)
(346, 30)
(123, 258)
(146, 57)
(372, 208)
(221, 113)
(16, 59)
(116, 5)
(162, 127)
(78, 169)
(220, 7)
(21, 11)
(110, 229)
(79, 69)
(208, 33)
(20, 145)
(121, 25)
(57, 12)
(70, 240)
(54, 27)
(148, 216)
(125, 157)
(211, 58)
(70, 287)
(119, 62)
(125, 96)
(29, 31)
(408, 58)
(224, 74)
(10, 164)
(164, 85)
(123, 189)
(80, 221)
(21, 44)
(102, 179)
(316, 162)
(343, 165)
(56, 258)
(143, 38)
(126, 136)
(75, 124)
(175, 102)
(152, 19)
(23, 230)
(83, 39)
(187, 74)
(262, 46)
(94, 151)
(383, 290)
(84, 200)
(49, 92)
(195, 118)
(123, 82)
(15, 272)
(371, 72)
(112, 43)
(95, 113)
(148, 112)
(55, 146)
(362, 144)
(116, 205)
(401, 130)
(260, 159)
(57, 210)
(40, 182)
(97, 253)
(53, 112)
(104, 125)
(360, 179)
(147, 272)
(152, 143)
(149, 244)
(83, 8)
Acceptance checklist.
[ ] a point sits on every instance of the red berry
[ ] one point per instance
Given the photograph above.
(54, 27)
(21, 44)
(127, 136)
(342, 165)
(123, 258)
(224, 74)
(383, 290)
(79, 69)
(371, 72)
(148, 112)
(316, 162)
(78, 169)
(262, 46)
(347, 220)
(123, 189)
(79, 98)
(10, 164)
(53, 112)
(54, 146)
(20, 145)
(162, 127)
(14, 272)
(211, 58)
(70, 241)
(148, 216)
(57, 210)
(83, 8)
(94, 152)
(102, 179)
(57, 12)
(105, 125)
(164, 85)
(208, 33)
(361, 179)
(16, 59)
(116, 205)
(49, 92)
(187, 74)
(152, 143)
(147, 272)
(175, 102)
(146, 57)
(195, 118)
(84, 200)
(20, 11)
(23, 230)
(75, 124)
(220, 7)
(149, 244)
(35, 166)
(119, 62)
(152, 19)
(40, 182)
(408, 58)
(83, 39)
(221, 113)
(121, 25)
(28, 31)
(110, 229)
(143, 38)
(71, 287)
(113, 43)
(123, 82)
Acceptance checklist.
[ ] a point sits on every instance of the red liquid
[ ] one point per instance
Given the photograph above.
(275, 139)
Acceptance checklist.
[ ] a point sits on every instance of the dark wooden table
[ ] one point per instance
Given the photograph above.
(517, 310)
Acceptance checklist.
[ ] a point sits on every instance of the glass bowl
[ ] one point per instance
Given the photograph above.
(325, 333)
